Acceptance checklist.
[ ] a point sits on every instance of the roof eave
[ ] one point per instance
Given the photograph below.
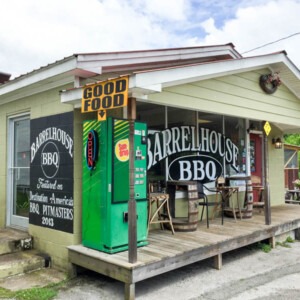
(39, 76)
(279, 62)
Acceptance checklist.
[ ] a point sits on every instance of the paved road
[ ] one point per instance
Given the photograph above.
(247, 274)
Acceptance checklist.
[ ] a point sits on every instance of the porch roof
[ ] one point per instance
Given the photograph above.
(145, 82)
(142, 83)
(150, 72)
(100, 66)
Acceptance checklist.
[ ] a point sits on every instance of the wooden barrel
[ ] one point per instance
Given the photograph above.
(189, 223)
(193, 206)
(247, 211)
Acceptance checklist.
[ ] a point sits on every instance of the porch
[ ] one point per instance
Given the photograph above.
(167, 252)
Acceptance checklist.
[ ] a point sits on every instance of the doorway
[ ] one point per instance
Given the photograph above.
(18, 183)
(256, 162)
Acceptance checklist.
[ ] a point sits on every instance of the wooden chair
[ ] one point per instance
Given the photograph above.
(228, 192)
(259, 190)
(205, 203)
(161, 213)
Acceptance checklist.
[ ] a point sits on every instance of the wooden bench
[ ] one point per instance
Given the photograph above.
(293, 194)
(289, 201)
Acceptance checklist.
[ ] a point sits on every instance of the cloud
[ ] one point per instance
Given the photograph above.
(35, 33)
(258, 25)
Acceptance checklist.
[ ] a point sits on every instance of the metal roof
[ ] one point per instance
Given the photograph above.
(99, 66)
(150, 71)
(4, 77)
(143, 82)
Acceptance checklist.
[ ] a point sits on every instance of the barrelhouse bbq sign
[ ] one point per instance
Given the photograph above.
(190, 158)
(51, 172)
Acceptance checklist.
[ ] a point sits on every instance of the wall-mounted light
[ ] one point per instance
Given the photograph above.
(277, 143)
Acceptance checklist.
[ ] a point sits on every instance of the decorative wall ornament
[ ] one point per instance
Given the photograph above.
(269, 82)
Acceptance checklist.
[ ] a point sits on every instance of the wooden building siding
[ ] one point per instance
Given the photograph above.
(276, 174)
(235, 95)
(240, 95)
(39, 105)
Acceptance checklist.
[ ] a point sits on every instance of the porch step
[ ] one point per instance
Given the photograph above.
(12, 240)
(38, 278)
(16, 254)
(21, 262)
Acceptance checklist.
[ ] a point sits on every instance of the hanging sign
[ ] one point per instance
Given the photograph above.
(105, 95)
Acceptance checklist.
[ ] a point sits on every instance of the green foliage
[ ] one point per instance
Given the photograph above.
(36, 294)
(22, 200)
(292, 139)
(286, 242)
(264, 247)
(289, 239)
(283, 244)
(43, 293)
(6, 294)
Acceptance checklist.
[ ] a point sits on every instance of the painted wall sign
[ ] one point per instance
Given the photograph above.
(91, 150)
(191, 158)
(105, 95)
(51, 172)
(195, 167)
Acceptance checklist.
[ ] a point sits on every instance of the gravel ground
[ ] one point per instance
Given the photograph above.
(247, 274)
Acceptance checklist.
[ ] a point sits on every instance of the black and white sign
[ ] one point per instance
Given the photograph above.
(51, 172)
(191, 158)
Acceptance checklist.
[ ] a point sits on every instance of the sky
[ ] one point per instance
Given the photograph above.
(34, 33)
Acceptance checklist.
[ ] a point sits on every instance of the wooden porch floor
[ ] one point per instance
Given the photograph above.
(167, 252)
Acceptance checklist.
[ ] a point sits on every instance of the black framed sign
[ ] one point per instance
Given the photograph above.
(51, 172)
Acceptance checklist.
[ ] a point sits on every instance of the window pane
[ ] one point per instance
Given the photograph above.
(21, 165)
(235, 131)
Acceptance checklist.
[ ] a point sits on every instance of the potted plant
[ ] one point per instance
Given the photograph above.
(297, 184)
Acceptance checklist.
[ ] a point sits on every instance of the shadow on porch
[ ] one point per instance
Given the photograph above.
(167, 252)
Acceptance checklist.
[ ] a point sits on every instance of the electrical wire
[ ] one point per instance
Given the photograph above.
(284, 38)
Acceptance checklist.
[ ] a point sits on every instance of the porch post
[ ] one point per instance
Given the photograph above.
(129, 291)
(218, 261)
(267, 186)
(132, 223)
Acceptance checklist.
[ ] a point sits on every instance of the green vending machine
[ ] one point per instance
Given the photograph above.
(105, 188)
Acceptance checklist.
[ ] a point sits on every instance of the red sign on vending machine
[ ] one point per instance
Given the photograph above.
(91, 149)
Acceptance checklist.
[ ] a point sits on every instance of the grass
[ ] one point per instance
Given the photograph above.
(43, 293)
(266, 247)
(286, 243)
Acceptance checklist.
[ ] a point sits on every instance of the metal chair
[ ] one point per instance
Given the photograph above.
(205, 203)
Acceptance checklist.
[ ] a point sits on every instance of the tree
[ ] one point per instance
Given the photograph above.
(292, 139)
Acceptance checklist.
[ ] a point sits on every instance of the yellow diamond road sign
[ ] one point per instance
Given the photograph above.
(267, 128)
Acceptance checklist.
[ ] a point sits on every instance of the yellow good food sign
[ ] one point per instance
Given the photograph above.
(105, 95)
